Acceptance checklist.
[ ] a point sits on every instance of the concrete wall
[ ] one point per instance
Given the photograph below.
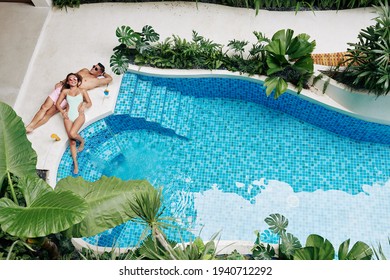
(21, 26)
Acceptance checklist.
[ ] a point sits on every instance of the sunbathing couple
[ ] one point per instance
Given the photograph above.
(70, 97)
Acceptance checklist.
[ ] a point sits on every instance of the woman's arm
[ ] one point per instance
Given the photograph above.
(62, 96)
(86, 99)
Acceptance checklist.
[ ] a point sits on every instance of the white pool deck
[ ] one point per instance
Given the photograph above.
(40, 46)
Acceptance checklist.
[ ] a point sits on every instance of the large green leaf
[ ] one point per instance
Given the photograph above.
(277, 47)
(119, 63)
(359, 251)
(304, 64)
(277, 223)
(149, 34)
(306, 253)
(317, 248)
(275, 83)
(126, 35)
(33, 187)
(276, 64)
(300, 46)
(51, 212)
(16, 153)
(289, 244)
(108, 201)
(280, 41)
(343, 250)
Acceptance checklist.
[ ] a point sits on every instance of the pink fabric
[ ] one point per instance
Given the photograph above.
(54, 96)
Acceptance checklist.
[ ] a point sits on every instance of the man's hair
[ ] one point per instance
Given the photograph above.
(102, 67)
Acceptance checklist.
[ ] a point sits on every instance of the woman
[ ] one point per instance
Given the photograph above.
(47, 109)
(93, 78)
(74, 117)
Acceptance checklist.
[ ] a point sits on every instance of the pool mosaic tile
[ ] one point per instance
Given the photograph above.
(140, 102)
(172, 103)
(157, 104)
(237, 141)
(126, 93)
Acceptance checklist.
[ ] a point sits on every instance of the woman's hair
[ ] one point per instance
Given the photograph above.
(79, 80)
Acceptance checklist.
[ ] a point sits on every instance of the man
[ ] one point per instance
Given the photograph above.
(93, 78)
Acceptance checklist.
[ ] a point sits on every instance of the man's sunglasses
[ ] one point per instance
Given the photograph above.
(100, 65)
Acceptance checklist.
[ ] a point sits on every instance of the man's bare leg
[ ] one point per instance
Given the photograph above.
(40, 114)
(49, 113)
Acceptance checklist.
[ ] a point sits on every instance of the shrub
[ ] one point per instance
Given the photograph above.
(284, 58)
(368, 59)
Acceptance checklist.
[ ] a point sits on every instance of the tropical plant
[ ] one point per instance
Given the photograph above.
(131, 43)
(289, 60)
(31, 210)
(368, 61)
(235, 256)
(254, 62)
(179, 53)
(288, 243)
(378, 251)
(148, 207)
(66, 3)
(316, 247)
(261, 251)
(284, 58)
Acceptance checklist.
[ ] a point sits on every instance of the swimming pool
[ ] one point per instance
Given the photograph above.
(227, 157)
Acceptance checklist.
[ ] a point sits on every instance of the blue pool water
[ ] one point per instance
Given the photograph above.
(227, 157)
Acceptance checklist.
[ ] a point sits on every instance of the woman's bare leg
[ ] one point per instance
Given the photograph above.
(77, 124)
(72, 130)
(73, 151)
(40, 114)
(72, 143)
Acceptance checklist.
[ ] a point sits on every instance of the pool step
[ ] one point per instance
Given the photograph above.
(141, 99)
(126, 93)
(172, 103)
(184, 118)
(156, 104)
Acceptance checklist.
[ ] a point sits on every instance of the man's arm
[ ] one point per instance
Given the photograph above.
(59, 84)
(106, 80)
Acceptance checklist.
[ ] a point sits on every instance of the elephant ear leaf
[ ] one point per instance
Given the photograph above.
(49, 213)
(108, 201)
(33, 187)
(16, 153)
